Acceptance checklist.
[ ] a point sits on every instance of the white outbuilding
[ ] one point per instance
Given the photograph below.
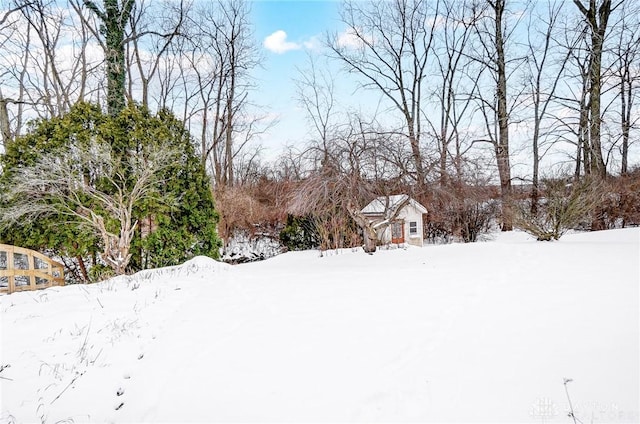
(399, 218)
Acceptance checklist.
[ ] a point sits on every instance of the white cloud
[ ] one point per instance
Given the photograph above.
(349, 39)
(313, 43)
(277, 43)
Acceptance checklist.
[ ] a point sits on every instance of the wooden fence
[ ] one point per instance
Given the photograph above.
(25, 269)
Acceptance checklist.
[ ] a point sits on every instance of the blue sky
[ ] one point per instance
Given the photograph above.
(286, 32)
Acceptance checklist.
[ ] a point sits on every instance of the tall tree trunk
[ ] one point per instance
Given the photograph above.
(502, 147)
(597, 19)
(229, 143)
(583, 129)
(576, 172)
(5, 125)
(230, 113)
(445, 104)
(114, 54)
(535, 179)
(414, 142)
(114, 19)
(625, 128)
(626, 99)
(597, 162)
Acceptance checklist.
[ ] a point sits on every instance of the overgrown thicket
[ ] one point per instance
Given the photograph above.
(128, 192)
(621, 201)
(254, 210)
(461, 211)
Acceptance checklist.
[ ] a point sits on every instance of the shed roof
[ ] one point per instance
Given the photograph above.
(385, 204)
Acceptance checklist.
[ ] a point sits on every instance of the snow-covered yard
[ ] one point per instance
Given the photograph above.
(482, 332)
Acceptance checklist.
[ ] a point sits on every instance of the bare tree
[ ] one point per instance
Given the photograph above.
(388, 45)
(571, 121)
(494, 34)
(47, 25)
(584, 150)
(291, 165)
(315, 89)
(626, 74)
(352, 167)
(172, 80)
(453, 102)
(66, 184)
(220, 54)
(596, 17)
(160, 32)
(47, 67)
(8, 32)
(545, 71)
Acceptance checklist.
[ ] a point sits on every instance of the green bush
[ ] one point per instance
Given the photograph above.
(299, 233)
(176, 220)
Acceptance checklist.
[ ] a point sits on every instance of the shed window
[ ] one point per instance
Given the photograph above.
(413, 228)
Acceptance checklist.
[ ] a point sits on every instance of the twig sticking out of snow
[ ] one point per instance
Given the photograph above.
(2, 368)
(73, 380)
(571, 413)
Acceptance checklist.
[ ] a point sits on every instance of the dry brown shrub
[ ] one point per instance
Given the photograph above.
(460, 211)
(258, 208)
(621, 203)
(564, 205)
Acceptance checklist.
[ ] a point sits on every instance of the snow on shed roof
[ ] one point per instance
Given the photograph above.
(384, 204)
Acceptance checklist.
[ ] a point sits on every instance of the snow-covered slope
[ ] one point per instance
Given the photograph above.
(477, 332)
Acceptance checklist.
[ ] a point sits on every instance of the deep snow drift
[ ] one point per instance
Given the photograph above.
(453, 333)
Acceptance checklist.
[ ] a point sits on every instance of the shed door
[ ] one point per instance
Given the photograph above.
(397, 232)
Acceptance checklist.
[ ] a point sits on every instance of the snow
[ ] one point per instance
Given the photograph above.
(387, 205)
(244, 247)
(381, 205)
(482, 332)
